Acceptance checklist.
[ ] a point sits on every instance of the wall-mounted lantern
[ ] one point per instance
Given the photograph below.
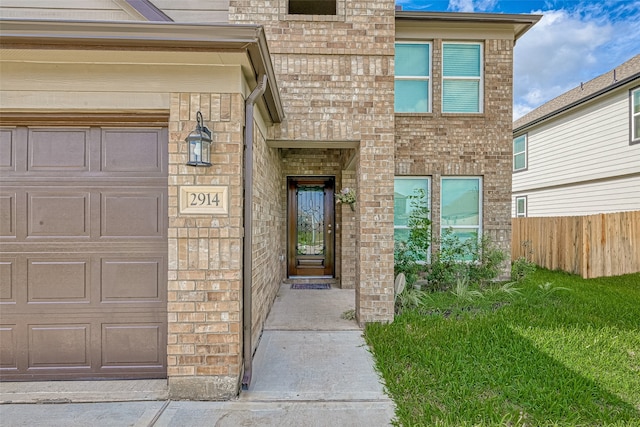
(199, 142)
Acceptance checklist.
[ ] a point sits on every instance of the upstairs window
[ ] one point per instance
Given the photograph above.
(520, 153)
(461, 78)
(412, 80)
(635, 116)
(312, 7)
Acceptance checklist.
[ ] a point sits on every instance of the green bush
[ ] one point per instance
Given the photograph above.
(476, 261)
(523, 267)
(409, 256)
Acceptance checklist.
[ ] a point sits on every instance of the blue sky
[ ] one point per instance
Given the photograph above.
(574, 42)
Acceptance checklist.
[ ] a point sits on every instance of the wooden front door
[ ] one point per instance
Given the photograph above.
(310, 217)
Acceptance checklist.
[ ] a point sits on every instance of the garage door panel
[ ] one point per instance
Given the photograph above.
(133, 151)
(58, 214)
(131, 280)
(58, 281)
(133, 214)
(7, 150)
(132, 345)
(61, 150)
(83, 253)
(8, 215)
(59, 345)
(9, 347)
(7, 280)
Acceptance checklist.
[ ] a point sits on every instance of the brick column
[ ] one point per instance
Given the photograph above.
(205, 254)
(374, 223)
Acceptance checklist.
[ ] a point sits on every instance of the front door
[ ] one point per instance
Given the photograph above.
(310, 220)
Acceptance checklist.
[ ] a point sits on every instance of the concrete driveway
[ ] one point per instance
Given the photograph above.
(311, 368)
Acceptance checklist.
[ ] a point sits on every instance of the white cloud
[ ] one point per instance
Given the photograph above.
(555, 56)
(569, 47)
(471, 5)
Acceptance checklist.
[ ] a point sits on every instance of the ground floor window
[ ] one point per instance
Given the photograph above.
(405, 189)
(521, 206)
(461, 207)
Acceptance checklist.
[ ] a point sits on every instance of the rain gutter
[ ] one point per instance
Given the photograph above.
(247, 319)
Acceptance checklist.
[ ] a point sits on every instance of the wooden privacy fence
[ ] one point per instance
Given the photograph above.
(591, 246)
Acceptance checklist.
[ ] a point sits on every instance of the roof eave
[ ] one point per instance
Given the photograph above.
(149, 36)
(521, 22)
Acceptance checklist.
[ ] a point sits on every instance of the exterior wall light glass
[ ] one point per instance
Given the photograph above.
(199, 142)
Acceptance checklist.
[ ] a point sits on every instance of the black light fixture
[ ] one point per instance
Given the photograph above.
(199, 142)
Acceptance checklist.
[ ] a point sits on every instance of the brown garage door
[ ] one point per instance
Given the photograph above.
(83, 253)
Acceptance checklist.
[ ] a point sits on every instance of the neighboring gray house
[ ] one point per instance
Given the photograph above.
(579, 153)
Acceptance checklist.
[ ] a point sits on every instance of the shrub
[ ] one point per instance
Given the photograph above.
(419, 226)
(476, 262)
(523, 266)
(409, 256)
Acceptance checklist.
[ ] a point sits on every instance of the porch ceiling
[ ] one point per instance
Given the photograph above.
(289, 143)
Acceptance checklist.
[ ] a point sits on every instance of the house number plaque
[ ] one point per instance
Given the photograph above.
(204, 200)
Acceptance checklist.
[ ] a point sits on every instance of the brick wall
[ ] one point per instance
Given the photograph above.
(438, 145)
(269, 230)
(335, 76)
(347, 219)
(205, 254)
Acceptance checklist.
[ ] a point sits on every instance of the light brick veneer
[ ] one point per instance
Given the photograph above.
(205, 253)
(347, 235)
(438, 144)
(335, 76)
(269, 231)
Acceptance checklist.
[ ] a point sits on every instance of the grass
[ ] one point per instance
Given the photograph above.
(555, 350)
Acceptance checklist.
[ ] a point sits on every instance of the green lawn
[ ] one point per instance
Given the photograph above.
(544, 357)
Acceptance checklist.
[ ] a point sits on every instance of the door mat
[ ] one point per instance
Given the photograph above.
(310, 286)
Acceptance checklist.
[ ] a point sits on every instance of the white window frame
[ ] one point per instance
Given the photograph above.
(478, 227)
(634, 116)
(419, 78)
(429, 192)
(525, 152)
(479, 79)
(522, 214)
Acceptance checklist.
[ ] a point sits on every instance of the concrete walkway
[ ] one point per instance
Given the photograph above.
(311, 368)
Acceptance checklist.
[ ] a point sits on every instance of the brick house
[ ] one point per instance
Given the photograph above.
(146, 267)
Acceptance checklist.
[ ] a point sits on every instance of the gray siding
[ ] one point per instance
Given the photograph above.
(206, 11)
(209, 11)
(585, 199)
(581, 162)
